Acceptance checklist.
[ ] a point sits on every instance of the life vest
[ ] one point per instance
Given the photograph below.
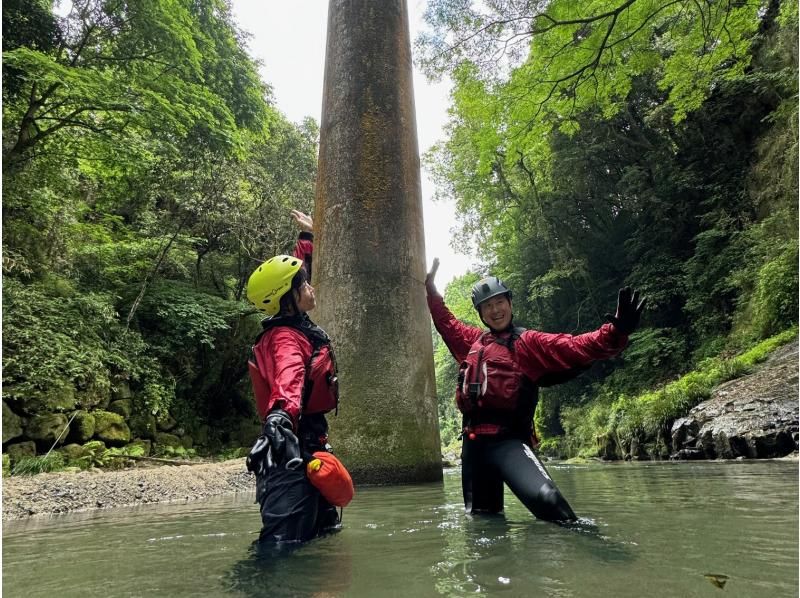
(493, 393)
(489, 379)
(321, 384)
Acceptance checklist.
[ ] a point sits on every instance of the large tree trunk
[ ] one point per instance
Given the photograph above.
(370, 252)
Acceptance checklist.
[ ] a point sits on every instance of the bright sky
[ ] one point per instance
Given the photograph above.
(289, 39)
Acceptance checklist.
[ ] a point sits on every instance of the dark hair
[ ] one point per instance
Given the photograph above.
(287, 301)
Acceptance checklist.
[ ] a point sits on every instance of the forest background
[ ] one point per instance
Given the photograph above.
(147, 171)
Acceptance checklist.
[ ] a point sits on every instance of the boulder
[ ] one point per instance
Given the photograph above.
(12, 424)
(165, 422)
(44, 429)
(146, 445)
(21, 450)
(187, 441)
(165, 439)
(56, 397)
(121, 390)
(755, 416)
(72, 452)
(82, 427)
(123, 407)
(143, 425)
(93, 397)
(111, 428)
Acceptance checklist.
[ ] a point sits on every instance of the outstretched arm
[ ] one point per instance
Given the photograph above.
(543, 353)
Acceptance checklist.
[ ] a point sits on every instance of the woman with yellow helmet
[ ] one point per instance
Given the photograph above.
(293, 372)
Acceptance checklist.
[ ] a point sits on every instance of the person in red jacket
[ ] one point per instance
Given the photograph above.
(500, 372)
(293, 372)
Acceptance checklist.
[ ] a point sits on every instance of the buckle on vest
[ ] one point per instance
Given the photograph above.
(474, 390)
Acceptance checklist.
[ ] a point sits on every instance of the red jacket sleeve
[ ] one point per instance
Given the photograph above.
(303, 250)
(456, 335)
(542, 353)
(281, 355)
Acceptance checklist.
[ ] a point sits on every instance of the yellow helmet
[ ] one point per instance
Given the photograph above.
(271, 281)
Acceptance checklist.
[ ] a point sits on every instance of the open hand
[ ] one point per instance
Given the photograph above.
(629, 311)
(430, 286)
(303, 221)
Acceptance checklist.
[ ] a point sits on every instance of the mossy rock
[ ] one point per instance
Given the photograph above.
(72, 452)
(21, 450)
(6, 465)
(12, 424)
(94, 397)
(146, 445)
(123, 407)
(201, 435)
(165, 439)
(165, 422)
(187, 441)
(44, 429)
(57, 397)
(111, 428)
(121, 390)
(143, 425)
(82, 427)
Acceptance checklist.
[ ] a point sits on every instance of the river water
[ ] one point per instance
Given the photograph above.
(651, 529)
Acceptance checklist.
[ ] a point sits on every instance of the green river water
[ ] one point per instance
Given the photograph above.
(652, 529)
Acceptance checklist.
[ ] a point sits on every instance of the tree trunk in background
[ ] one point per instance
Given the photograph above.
(369, 257)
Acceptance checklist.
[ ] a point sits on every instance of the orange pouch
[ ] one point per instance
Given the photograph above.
(332, 479)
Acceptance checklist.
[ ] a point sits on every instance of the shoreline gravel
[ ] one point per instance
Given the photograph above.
(49, 494)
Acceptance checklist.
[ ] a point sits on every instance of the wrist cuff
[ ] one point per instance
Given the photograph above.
(306, 236)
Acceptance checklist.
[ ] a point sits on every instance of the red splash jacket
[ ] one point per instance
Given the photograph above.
(282, 353)
(538, 356)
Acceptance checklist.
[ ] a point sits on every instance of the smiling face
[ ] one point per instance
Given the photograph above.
(496, 312)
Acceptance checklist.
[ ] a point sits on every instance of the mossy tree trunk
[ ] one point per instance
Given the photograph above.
(370, 252)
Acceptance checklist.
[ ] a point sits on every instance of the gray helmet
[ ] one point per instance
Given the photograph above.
(488, 287)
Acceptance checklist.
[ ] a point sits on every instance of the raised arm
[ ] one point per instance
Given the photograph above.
(305, 241)
(456, 335)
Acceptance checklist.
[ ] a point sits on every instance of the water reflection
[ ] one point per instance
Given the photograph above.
(653, 529)
(319, 568)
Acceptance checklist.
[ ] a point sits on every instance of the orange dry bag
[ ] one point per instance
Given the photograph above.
(331, 478)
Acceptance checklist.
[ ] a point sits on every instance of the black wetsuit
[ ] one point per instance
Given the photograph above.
(487, 462)
(292, 509)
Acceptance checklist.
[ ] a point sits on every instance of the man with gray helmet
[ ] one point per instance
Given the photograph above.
(500, 373)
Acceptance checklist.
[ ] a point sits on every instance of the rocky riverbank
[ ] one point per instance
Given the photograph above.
(52, 493)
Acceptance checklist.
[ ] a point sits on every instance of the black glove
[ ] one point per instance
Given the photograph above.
(629, 310)
(284, 448)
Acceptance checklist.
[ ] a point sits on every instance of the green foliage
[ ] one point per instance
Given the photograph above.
(146, 174)
(645, 415)
(56, 337)
(595, 146)
(177, 452)
(40, 464)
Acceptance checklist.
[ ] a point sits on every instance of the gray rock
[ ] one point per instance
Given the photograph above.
(755, 416)
(12, 424)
